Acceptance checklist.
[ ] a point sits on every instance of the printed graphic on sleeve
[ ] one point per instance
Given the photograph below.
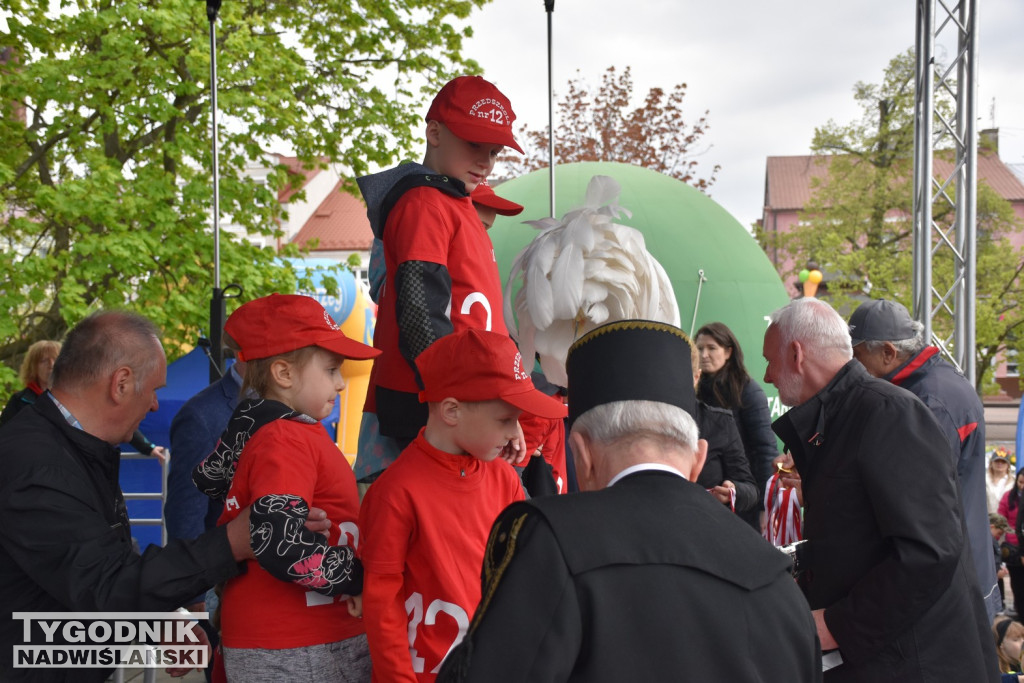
(290, 552)
(214, 474)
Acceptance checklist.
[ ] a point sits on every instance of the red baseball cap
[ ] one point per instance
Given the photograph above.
(279, 323)
(475, 365)
(476, 111)
(484, 194)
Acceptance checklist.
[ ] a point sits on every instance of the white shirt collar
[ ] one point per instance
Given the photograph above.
(645, 466)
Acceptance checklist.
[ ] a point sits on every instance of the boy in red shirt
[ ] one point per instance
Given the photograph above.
(441, 274)
(425, 521)
(375, 453)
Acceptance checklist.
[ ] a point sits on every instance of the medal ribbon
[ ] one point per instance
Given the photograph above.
(732, 498)
(783, 512)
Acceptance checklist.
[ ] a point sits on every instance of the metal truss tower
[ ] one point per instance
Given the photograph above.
(945, 253)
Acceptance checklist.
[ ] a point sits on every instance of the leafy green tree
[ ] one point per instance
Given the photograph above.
(105, 161)
(858, 224)
(601, 125)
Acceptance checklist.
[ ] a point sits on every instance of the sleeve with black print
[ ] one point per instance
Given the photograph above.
(422, 308)
(290, 552)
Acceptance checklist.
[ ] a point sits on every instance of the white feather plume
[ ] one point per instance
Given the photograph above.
(580, 272)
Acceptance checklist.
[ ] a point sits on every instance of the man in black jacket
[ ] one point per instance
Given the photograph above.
(891, 345)
(885, 568)
(644, 576)
(65, 542)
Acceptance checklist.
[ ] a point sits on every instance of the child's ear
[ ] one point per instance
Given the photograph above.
(433, 133)
(282, 372)
(450, 410)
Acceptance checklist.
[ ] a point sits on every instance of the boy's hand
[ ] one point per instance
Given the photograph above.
(514, 452)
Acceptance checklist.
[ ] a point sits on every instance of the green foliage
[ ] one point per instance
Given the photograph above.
(105, 150)
(858, 223)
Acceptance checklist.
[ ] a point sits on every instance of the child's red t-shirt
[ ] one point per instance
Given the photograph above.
(259, 611)
(429, 225)
(428, 518)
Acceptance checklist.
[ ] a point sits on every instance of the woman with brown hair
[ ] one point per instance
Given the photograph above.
(35, 372)
(725, 383)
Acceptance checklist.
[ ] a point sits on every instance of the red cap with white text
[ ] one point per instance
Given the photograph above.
(475, 365)
(476, 111)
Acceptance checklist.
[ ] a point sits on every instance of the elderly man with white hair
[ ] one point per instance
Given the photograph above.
(644, 576)
(885, 567)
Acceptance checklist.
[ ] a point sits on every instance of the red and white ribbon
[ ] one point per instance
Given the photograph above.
(782, 511)
(732, 498)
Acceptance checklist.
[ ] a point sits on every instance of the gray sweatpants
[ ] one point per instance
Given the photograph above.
(346, 661)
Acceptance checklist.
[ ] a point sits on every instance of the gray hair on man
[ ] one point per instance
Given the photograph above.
(103, 342)
(815, 321)
(621, 422)
(905, 348)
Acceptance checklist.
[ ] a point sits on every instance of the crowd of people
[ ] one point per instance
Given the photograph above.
(450, 552)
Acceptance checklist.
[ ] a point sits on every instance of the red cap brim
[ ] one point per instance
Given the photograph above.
(536, 402)
(499, 204)
(348, 348)
(493, 135)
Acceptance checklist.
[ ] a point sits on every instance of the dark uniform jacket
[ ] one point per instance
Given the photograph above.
(955, 404)
(885, 553)
(65, 543)
(648, 580)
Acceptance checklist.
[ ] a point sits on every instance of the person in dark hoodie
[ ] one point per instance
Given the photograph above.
(440, 272)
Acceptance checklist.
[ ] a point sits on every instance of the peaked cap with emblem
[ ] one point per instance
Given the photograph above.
(630, 360)
(475, 110)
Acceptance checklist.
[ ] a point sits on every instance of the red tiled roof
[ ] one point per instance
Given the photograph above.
(295, 166)
(339, 223)
(998, 175)
(788, 179)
